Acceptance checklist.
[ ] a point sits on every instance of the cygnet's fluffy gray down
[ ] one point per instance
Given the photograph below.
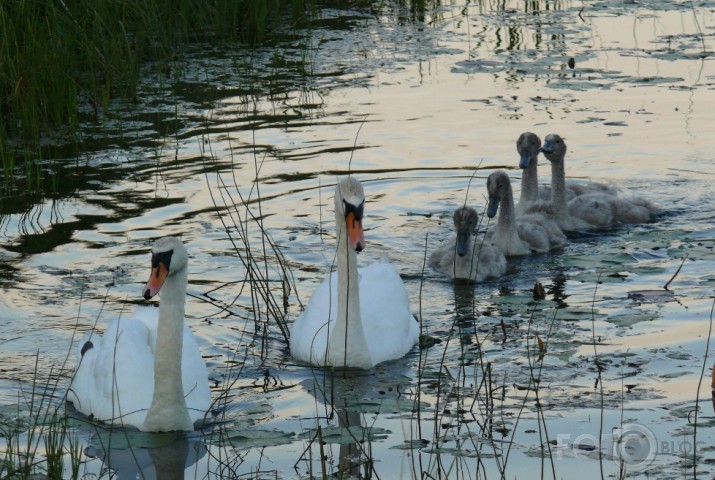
(462, 259)
(531, 209)
(599, 208)
(514, 235)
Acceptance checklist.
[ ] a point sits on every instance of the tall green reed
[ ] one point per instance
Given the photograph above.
(37, 438)
(65, 61)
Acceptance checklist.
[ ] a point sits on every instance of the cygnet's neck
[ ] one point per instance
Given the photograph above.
(529, 184)
(465, 266)
(558, 183)
(507, 219)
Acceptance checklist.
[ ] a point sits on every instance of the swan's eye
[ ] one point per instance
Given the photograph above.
(161, 257)
(356, 211)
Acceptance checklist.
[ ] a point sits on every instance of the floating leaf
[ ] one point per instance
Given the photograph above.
(120, 439)
(427, 341)
(348, 435)
(253, 438)
(411, 444)
(674, 374)
(651, 296)
(631, 319)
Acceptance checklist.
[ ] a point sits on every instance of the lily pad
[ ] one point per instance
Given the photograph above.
(253, 438)
(347, 435)
(386, 405)
(629, 320)
(411, 444)
(651, 296)
(599, 260)
(132, 439)
(674, 374)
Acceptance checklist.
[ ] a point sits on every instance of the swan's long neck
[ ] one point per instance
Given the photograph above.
(347, 346)
(529, 185)
(558, 184)
(168, 410)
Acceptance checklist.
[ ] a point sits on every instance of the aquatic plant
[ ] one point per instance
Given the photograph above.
(63, 63)
(37, 436)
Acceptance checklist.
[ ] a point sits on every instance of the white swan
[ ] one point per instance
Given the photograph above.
(145, 371)
(355, 318)
(601, 205)
(512, 235)
(461, 259)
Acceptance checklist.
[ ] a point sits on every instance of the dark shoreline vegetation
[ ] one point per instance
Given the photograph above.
(65, 63)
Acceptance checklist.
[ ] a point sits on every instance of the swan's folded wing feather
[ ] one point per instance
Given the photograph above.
(390, 328)
(112, 381)
(309, 333)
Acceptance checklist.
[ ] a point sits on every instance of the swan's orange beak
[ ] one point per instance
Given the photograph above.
(356, 236)
(156, 280)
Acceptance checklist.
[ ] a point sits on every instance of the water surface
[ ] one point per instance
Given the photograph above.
(417, 106)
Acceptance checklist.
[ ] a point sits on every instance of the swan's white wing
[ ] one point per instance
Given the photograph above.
(194, 378)
(309, 333)
(390, 328)
(115, 378)
(592, 210)
(492, 263)
(633, 210)
(585, 187)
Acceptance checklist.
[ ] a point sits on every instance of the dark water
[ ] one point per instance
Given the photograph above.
(230, 146)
